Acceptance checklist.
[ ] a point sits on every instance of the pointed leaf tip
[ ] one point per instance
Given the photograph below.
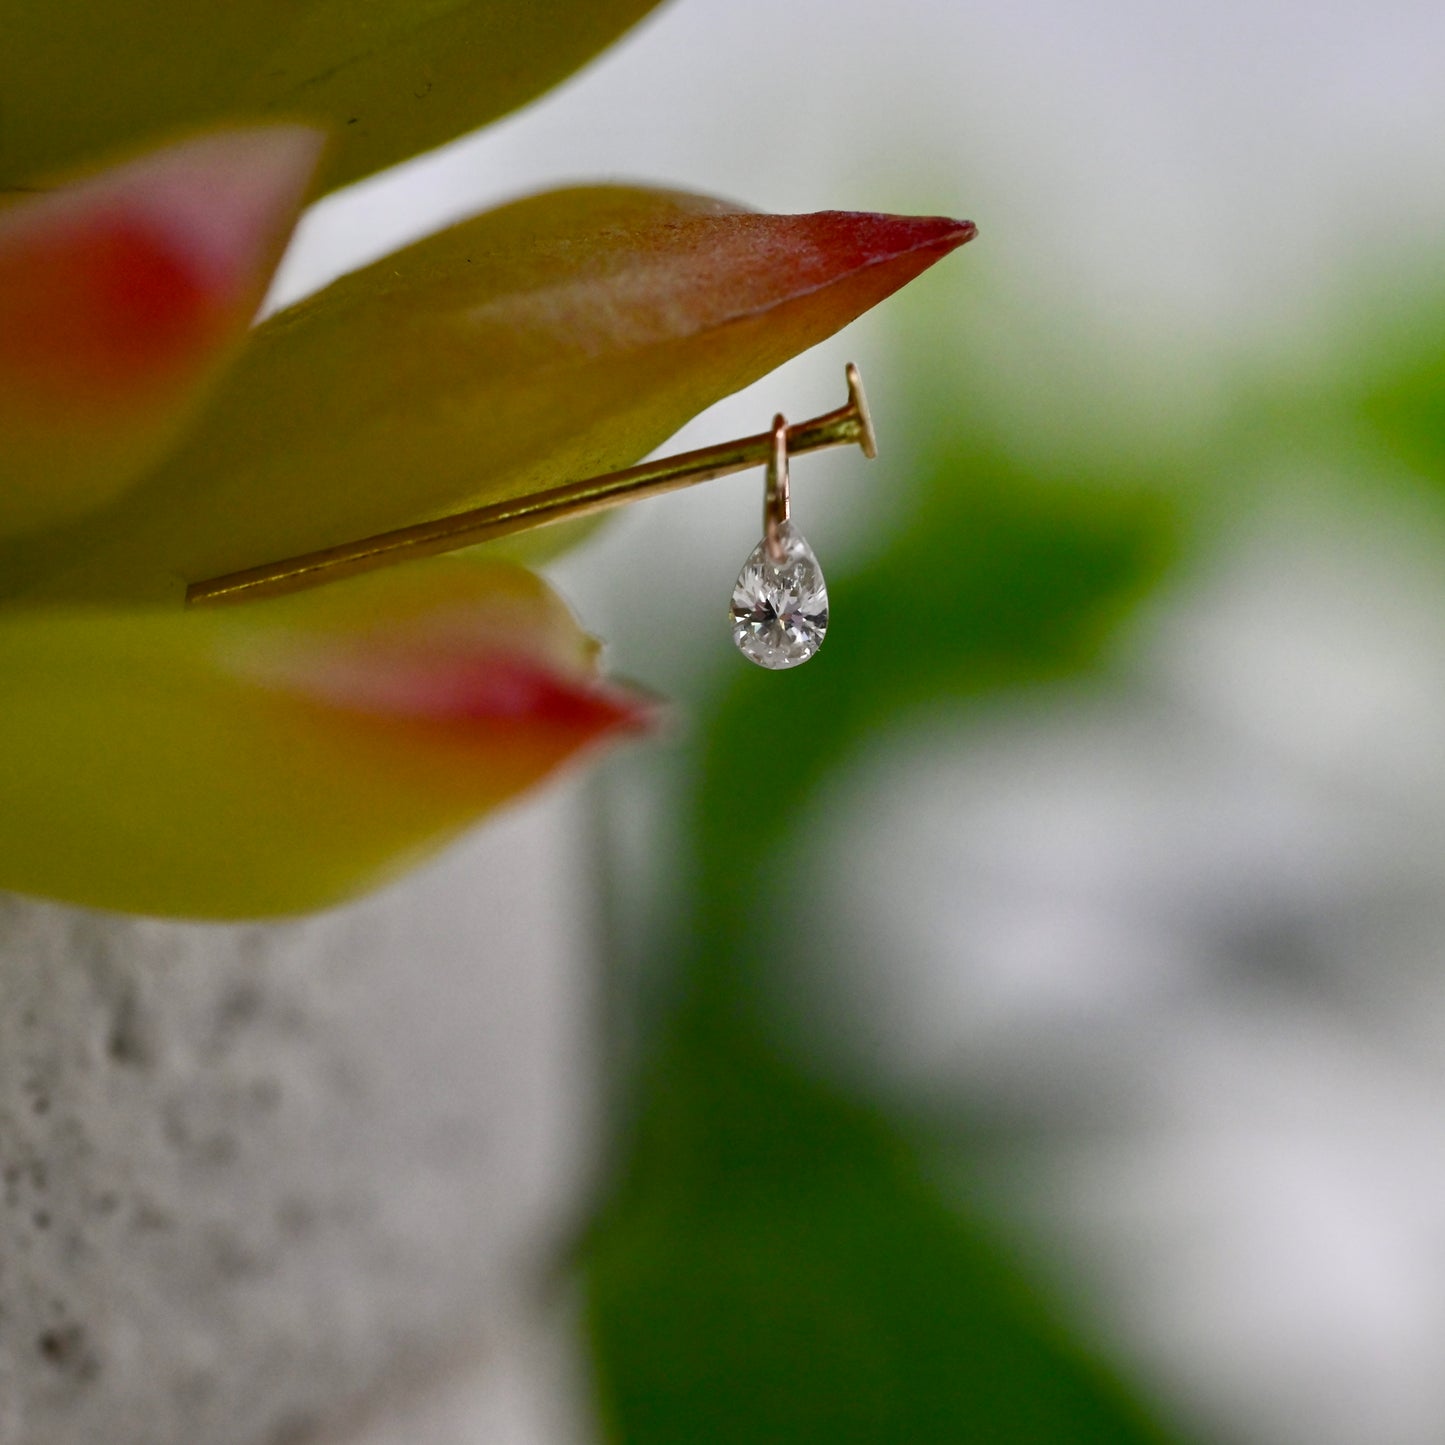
(120, 295)
(962, 230)
(886, 236)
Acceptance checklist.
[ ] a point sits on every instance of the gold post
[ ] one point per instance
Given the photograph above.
(844, 427)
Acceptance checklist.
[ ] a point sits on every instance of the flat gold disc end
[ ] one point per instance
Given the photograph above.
(868, 438)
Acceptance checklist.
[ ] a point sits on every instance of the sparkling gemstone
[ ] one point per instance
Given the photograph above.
(780, 609)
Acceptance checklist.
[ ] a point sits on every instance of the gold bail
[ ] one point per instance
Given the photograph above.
(777, 496)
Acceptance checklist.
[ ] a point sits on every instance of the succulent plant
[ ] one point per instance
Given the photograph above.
(282, 755)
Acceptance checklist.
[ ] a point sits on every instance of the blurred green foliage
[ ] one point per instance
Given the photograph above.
(1398, 381)
(779, 1269)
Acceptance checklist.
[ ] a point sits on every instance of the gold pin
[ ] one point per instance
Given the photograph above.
(848, 425)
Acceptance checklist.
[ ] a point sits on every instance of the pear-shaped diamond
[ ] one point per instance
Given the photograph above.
(780, 609)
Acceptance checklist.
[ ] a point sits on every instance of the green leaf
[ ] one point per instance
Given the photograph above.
(391, 78)
(564, 335)
(283, 756)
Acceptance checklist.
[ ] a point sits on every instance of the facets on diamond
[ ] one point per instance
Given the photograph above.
(780, 609)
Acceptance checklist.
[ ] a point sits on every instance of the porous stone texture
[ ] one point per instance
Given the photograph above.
(250, 1174)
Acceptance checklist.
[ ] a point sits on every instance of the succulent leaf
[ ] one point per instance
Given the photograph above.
(283, 756)
(121, 296)
(391, 78)
(566, 334)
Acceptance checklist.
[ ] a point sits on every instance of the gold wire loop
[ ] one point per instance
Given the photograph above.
(849, 425)
(777, 495)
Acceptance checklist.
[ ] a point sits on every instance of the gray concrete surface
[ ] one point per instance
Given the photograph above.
(251, 1176)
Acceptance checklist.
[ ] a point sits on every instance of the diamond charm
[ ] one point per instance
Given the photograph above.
(780, 608)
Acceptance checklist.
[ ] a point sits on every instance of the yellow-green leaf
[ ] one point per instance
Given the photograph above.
(566, 334)
(121, 295)
(389, 77)
(277, 758)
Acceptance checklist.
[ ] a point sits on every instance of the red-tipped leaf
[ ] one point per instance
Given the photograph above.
(121, 295)
(564, 335)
